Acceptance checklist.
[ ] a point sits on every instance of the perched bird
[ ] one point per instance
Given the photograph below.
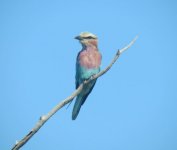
(87, 64)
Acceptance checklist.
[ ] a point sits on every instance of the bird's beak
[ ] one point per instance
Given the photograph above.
(78, 38)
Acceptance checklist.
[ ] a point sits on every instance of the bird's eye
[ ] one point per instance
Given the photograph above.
(89, 37)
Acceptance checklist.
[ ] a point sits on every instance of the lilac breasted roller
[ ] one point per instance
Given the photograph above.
(87, 64)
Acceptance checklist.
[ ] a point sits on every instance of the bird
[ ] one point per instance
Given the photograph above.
(87, 64)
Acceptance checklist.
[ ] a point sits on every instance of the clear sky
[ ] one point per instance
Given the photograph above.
(132, 107)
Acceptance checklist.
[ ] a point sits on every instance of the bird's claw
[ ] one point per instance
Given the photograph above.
(91, 78)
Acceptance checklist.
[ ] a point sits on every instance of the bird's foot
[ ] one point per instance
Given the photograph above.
(92, 76)
(86, 80)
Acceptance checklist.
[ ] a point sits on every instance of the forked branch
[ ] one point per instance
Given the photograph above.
(43, 119)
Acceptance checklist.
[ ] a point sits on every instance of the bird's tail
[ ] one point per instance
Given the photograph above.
(77, 106)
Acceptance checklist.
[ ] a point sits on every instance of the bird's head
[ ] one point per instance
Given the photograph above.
(87, 39)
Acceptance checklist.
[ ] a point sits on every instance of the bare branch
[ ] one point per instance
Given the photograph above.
(46, 117)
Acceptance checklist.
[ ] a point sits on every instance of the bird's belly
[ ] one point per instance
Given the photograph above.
(87, 73)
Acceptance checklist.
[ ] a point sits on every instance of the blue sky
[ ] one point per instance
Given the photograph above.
(132, 107)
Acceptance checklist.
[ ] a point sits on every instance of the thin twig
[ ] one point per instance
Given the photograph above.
(46, 117)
